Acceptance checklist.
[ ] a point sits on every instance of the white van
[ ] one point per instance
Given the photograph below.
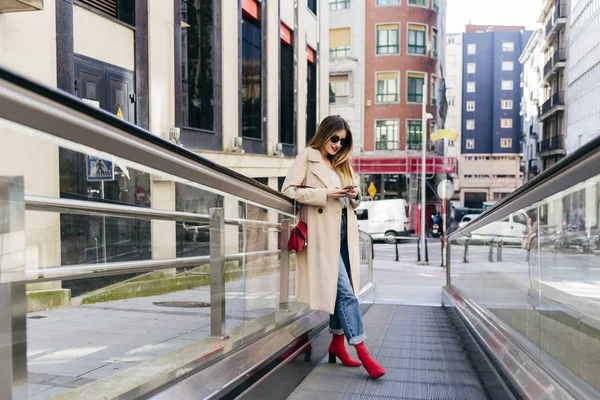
(384, 219)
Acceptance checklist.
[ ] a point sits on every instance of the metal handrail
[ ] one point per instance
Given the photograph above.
(82, 207)
(78, 271)
(51, 111)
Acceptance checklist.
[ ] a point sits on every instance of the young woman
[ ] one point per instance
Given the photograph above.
(327, 277)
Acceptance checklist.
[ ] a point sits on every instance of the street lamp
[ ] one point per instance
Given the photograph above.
(425, 116)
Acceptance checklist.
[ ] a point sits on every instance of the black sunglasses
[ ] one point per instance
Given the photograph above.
(335, 138)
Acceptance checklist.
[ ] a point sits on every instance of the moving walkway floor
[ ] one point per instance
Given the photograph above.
(421, 351)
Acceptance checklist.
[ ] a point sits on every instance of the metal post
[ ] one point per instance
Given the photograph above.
(13, 326)
(104, 259)
(418, 251)
(448, 265)
(371, 257)
(397, 255)
(491, 253)
(426, 252)
(217, 272)
(284, 278)
(423, 159)
(499, 251)
(444, 237)
(466, 254)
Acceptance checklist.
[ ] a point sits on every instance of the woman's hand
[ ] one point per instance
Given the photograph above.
(336, 193)
(352, 193)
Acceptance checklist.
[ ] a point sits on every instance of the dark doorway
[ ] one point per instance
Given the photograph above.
(96, 239)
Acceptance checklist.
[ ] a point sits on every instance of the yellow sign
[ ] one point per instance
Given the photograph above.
(372, 190)
(120, 113)
(444, 134)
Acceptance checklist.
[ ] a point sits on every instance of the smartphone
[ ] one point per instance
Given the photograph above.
(350, 187)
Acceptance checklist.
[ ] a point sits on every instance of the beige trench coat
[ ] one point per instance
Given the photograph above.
(318, 265)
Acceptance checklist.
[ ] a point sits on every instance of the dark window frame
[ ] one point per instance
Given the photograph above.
(312, 6)
(287, 108)
(414, 96)
(124, 10)
(416, 48)
(395, 48)
(311, 99)
(413, 134)
(193, 137)
(395, 137)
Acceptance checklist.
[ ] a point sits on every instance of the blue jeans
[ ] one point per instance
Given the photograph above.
(346, 318)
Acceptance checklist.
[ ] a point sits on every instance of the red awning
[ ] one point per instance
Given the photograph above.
(250, 8)
(404, 165)
(285, 33)
(310, 54)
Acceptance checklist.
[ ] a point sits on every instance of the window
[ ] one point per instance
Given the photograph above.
(123, 10)
(470, 124)
(422, 3)
(287, 119)
(506, 122)
(251, 79)
(197, 55)
(311, 98)
(387, 134)
(507, 104)
(451, 100)
(339, 43)
(508, 47)
(388, 39)
(508, 66)
(335, 5)
(433, 91)
(312, 6)
(339, 89)
(470, 144)
(507, 85)
(434, 43)
(415, 88)
(471, 48)
(413, 140)
(362, 214)
(470, 106)
(470, 87)
(387, 87)
(417, 41)
(471, 68)
(506, 143)
(387, 2)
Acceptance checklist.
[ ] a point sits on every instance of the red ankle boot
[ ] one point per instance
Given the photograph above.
(373, 368)
(337, 348)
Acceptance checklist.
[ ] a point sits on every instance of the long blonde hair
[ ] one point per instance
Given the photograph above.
(342, 160)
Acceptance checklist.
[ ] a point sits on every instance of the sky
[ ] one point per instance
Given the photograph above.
(491, 12)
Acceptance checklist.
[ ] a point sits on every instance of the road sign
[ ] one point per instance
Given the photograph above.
(445, 189)
(372, 190)
(99, 170)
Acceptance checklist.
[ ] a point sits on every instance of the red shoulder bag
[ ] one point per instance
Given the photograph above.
(299, 234)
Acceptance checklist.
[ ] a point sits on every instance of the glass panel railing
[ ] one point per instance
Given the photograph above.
(537, 271)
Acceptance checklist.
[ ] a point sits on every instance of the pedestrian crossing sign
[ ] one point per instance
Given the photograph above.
(372, 190)
(99, 169)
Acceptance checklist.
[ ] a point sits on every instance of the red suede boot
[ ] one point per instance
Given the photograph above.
(373, 368)
(337, 348)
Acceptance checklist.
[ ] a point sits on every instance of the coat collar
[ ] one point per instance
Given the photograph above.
(320, 169)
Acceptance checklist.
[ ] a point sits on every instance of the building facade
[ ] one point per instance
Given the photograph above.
(346, 65)
(583, 68)
(552, 111)
(453, 67)
(204, 74)
(491, 122)
(399, 47)
(531, 81)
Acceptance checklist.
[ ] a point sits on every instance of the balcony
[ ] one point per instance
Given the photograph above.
(552, 105)
(552, 145)
(556, 63)
(557, 20)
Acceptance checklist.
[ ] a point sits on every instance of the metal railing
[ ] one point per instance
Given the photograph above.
(557, 99)
(551, 144)
(559, 55)
(57, 118)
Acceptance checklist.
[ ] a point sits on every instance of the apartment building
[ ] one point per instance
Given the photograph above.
(532, 61)
(453, 68)
(552, 108)
(397, 47)
(583, 69)
(491, 127)
(346, 65)
(205, 74)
